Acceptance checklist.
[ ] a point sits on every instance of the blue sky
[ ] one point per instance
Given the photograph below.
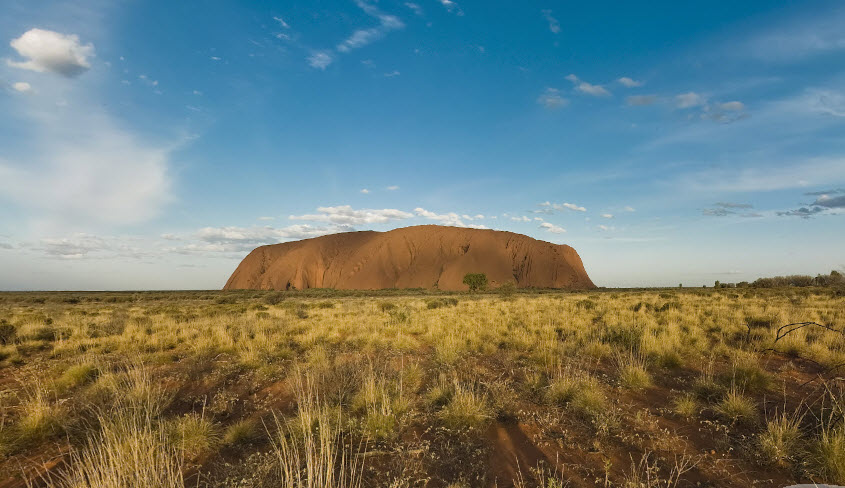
(153, 144)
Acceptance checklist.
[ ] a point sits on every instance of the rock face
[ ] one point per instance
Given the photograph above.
(426, 256)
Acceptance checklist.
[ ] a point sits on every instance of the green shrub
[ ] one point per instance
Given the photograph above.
(475, 281)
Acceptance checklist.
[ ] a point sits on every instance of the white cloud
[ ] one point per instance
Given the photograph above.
(320, 60)
(49, 51)
(22, 87)
(346, 215)
(392, 188)
(607, 216)
(594, 90)
(588, 88)
(392, 74)
(554, 229)
(554, 25)
(629, 209)
(549, 206)
(521, 219)
(630, 83)
(266, 218)
(450, 218)
(365, 191)
(606, 228)
(689, 99)
(552, 99)
(362, 37)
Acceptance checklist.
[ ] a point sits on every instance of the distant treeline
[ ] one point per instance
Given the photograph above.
(835, 278)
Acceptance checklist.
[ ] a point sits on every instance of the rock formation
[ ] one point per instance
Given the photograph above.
(426, 256)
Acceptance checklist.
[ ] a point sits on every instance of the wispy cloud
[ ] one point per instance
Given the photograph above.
(214, 240)
(554, 25)
(548, 207)
(723, 209)
(346, 215)
(797, 38)
(83, 166)
(320, 60)
(451, 6)
(415, 7)
(552, 99)
(363, 37)
(766, 177)
(281, 22)
(641, 100)
(689, 99)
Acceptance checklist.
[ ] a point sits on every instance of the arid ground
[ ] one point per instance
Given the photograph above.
(636, 388)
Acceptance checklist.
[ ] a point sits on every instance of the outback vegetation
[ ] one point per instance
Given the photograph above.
(630, 388)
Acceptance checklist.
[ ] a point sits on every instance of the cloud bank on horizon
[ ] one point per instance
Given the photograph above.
(664, 153)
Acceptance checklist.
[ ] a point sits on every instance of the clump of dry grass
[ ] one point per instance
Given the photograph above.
(633, 372)
(194, 434)
(685, 406)
(310, 451)
(737, 407)
(240, 433)
(780, 442)
(467, 408)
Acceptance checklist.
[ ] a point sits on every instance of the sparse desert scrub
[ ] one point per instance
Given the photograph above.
(408, 392)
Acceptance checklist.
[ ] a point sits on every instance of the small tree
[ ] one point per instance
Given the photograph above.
(475, 281)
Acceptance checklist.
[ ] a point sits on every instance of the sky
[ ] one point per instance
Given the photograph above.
(153, 144)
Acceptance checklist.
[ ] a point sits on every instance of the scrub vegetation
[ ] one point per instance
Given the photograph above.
(321, 388)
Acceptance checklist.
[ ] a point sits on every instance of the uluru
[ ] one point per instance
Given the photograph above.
(426, 256)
